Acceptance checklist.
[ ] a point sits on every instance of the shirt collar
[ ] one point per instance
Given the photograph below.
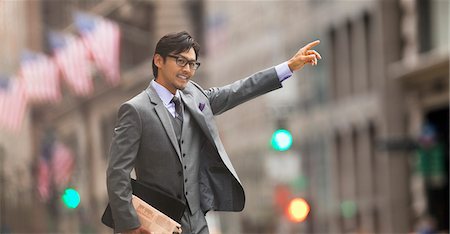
(165, 95)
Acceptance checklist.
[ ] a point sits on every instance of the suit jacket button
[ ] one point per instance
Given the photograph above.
(184, 155)
(186, 193)
(180, 173)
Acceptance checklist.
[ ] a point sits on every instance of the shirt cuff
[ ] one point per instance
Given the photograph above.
(283, 71)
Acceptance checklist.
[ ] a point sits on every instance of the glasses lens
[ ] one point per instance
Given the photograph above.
(194, 65)
(181, 61)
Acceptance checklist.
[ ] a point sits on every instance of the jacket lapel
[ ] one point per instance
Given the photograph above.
(164, 117)
(208, 128)
(188, 99)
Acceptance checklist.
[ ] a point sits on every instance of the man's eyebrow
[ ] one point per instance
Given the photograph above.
(189, 60)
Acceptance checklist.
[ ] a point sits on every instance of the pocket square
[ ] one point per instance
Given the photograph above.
(201, 106)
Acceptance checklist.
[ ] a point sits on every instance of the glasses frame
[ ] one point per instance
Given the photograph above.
(182, 61)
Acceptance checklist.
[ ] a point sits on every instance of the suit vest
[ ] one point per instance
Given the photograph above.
(190, 140)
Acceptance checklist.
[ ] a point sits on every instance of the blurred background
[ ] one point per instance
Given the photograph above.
(365, 145)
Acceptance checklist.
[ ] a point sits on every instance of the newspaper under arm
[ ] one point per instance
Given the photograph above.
(154, 220)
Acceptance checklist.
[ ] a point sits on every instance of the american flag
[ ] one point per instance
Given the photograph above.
(62, 163)
(41, 77)
(72, 58)
(13, 103)
(102, 38)
(43, 183)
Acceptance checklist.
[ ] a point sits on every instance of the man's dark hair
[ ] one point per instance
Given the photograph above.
(174, 43)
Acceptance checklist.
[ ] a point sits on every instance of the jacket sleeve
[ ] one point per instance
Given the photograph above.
(123, 152)
(224, 98)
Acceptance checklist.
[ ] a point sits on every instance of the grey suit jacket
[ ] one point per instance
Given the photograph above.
(144, 139)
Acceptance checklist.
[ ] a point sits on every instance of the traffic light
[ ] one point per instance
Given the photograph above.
(71, 198)
(348, 209)
(281, 140)
(297, 210)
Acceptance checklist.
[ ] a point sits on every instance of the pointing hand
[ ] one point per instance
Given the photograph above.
(305, 55)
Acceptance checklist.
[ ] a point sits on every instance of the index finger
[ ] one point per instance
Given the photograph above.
(312, 44)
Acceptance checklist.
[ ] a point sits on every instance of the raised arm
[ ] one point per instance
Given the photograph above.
(224, 98)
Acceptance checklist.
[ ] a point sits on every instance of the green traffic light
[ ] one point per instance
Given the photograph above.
(281, 140)
(71, 198)
(348, 209)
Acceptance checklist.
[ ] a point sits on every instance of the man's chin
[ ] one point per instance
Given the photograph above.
(182, 87)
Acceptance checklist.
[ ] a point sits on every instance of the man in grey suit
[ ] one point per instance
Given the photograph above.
(168, 135)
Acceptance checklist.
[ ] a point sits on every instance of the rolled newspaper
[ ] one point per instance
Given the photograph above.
(154, 220)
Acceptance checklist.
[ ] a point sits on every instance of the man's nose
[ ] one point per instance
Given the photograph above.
(187, 68)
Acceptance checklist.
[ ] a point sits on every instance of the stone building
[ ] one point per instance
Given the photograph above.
(85, 124)
(355, 117)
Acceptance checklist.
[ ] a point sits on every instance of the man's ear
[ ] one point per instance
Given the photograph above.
(158, 60)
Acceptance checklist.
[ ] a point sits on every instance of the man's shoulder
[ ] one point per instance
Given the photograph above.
(138, 100)
(195, 85)
(195, 88)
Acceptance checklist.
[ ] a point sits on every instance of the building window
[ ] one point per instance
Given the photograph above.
(351, 42)
(87, 4)
(341, 61)
(439, 23)
(424, 23)
(57, 15)
(338, 180)
(433, 29)
(334, 64)
(375, 189)
(368, 46)
(136, 20)
(195, 9)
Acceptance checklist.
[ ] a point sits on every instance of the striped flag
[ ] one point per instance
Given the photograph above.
(102, 38)
(41, 78)
(13, 103)
(62, 163)
(72, 58)
(43, 183)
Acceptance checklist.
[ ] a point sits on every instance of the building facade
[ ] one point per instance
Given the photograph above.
(84, 124)
(356, 118)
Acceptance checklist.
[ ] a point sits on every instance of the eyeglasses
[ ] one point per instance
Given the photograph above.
(182, 61)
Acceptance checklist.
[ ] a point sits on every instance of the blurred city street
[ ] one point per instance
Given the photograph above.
(357, 144)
